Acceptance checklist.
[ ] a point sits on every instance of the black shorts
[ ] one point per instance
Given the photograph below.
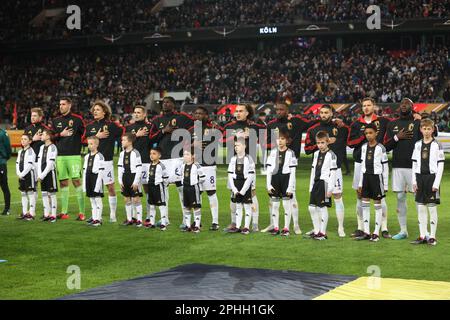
(373, 187)
(128, 191)
(156, 195)
(192, 197)
(49, 184)
(90, 182)
(280, 184)
(425, 192)
(28, 183)
(246, 198)
(318, 195)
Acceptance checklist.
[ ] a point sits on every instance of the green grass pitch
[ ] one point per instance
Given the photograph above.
(39, 253)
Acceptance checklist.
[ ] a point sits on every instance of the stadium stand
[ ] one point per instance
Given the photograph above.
(126, 76)
(111, 17)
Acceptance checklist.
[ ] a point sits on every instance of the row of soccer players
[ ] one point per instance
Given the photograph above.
(428, 160)
(398, 135)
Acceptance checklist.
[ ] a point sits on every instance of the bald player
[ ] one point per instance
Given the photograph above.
(401, 137)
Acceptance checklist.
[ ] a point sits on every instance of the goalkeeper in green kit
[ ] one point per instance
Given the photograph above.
(69, 131)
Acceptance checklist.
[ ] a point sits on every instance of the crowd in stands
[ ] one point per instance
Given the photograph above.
(113, 17)
(124, 77)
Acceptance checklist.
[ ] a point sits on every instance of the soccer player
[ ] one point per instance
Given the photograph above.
(401, 136)
(93, 172)
(141, 128)
(130, 173)
(321, 185)
(244, 127)
(428, 167)
(206, 137)
(163, 127)
(35, 129)
(5, 154)
(25, 170)
(355, 141)
(107, 132)
(262, 121)
(296, 126)
(157, 189)
(47, 159)
(281, 180)
(373, 181)
(338, 144)
(69, 129)
(241, 176)
(192, 178)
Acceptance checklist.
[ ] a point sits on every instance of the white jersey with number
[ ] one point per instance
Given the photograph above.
(210, 183)
(108, 175)
(173, 167)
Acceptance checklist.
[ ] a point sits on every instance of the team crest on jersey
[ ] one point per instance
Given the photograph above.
(369, 155)
(239, 167)
(319, 162)
(133, 131)
(90, 163)
(174, 122)
(93, 130)
(289, 125)
(335, 131)
(377, 124)
(425, 153)
(187, 173)
(105, 128)
(151, 173)
(71, 123)
(411, 127)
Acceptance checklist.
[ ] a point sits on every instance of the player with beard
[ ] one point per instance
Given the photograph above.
(338, 144)
(35, 129)
(296, 126)
(401, 136)
(141, 128)
(69, 129)
(163, 127)
(207, 140)
(355, 141)
(244, 127)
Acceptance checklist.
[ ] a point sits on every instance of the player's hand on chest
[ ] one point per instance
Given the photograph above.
(141, 131)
